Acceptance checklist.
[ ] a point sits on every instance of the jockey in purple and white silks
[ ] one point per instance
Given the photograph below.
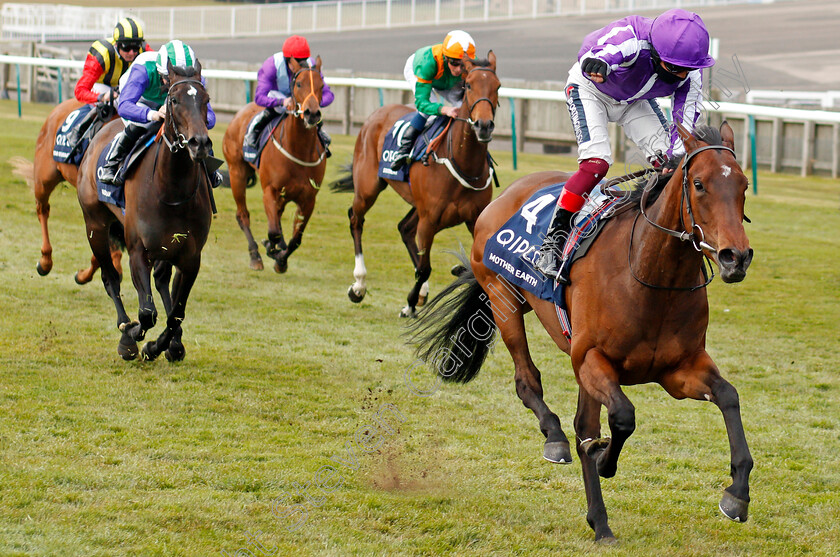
(621, 70)
(274, 88)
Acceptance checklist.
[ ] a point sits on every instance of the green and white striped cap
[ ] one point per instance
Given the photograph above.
(180, 55)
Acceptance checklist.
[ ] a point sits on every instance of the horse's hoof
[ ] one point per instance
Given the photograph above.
(257, 265)
(175, 353)
(594, 446)
(127, 352)
(408, 311)
(146, 353)
(733, 508)
(607, 540)
(79, 280)
(557, 452)
(458, 270)
(43, 271)
(355, 298)
(281, 268)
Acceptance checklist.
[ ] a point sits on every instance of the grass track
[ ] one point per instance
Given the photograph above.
(103, 457)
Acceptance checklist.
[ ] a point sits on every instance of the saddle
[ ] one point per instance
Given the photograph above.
(64, 150)
(435, 126)
(115, 195)
(253, 155)
(513, 250)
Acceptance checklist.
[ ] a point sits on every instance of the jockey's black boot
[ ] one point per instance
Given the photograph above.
(109, 174)
(549, 261)
(325, 139)
(409, 135)
(255, 129)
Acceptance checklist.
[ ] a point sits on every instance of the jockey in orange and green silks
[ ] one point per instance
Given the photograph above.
(437, 71)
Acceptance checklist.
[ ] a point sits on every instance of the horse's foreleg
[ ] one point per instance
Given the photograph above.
(239, 174)
(588, 431)
(84, 276)
(141, 277)
(42, 209)
(302, 216)
(425, 238)
(408, 232)
(597, 375)
(508, 313)
(163, 275)
(181, 286)
(275, 203)
(702, 381)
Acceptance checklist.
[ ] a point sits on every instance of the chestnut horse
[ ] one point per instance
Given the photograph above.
(46, 175)
(638, 311)
(167, 216)
(441, 195)
(292, 167)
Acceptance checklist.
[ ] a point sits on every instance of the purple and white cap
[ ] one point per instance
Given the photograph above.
(681, 38)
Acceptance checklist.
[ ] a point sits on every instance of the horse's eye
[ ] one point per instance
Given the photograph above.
(467, 86)
(698, 185)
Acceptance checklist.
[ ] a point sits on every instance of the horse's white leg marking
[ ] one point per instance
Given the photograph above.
(360, 274)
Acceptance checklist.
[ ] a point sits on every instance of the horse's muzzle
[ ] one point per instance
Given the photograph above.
(734, 263)
(199, 146)
(311, 119)
(484, 130)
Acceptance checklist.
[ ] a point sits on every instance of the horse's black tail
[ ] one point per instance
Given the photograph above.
(455, 331)
(344, 184)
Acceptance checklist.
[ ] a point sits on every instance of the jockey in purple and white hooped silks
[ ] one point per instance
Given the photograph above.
(621, 70)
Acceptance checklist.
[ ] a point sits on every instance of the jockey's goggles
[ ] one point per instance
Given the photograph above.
(454, 62)
(675, 69)
(129, 45)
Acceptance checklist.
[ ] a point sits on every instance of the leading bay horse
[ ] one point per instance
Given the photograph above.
(441, 195)
(292, 167)
(638, 311)
(167, 216)
(47, 174)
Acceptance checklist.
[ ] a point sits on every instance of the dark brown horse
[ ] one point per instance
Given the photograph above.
(167, 216)
(46, 175)
(638, 312)
(292, 167)
(441, 195)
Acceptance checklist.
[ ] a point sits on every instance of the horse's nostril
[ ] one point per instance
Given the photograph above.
(726, 257)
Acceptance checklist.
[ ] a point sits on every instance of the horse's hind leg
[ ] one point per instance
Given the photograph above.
(239, 174)
(509, 314)
(425, 238)
(702, 381)
(589, 447)
(46, 178)
(367, 189)
(408, 231)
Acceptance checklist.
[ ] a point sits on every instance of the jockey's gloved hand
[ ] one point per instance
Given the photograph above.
(672, 163)
(593, 65)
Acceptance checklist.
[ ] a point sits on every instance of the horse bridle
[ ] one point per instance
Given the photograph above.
(299, 112)
(180, 140)
(469, 119)
(698, 244)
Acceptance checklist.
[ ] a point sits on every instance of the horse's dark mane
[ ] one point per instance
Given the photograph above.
(707, 134)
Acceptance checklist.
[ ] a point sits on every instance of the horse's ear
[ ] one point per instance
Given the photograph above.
(170, 69)
(468, 65)
(197, 68)
(491, 57)
(727, 135)
(293, 65)
(688, 139)
(318, 62)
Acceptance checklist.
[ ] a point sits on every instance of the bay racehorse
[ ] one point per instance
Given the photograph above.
(47, 174)
(167, 216)
(291, 168)
(441, 195)
(638, 312)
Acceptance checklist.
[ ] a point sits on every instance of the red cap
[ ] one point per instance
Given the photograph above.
(296, 47)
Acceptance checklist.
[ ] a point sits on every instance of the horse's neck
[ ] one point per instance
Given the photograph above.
(469, 154)
(657, 257)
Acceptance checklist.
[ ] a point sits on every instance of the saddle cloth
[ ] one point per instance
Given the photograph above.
(63, 151)
(253, 155)
(434, 127)
(115, 195)
(513, 250)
